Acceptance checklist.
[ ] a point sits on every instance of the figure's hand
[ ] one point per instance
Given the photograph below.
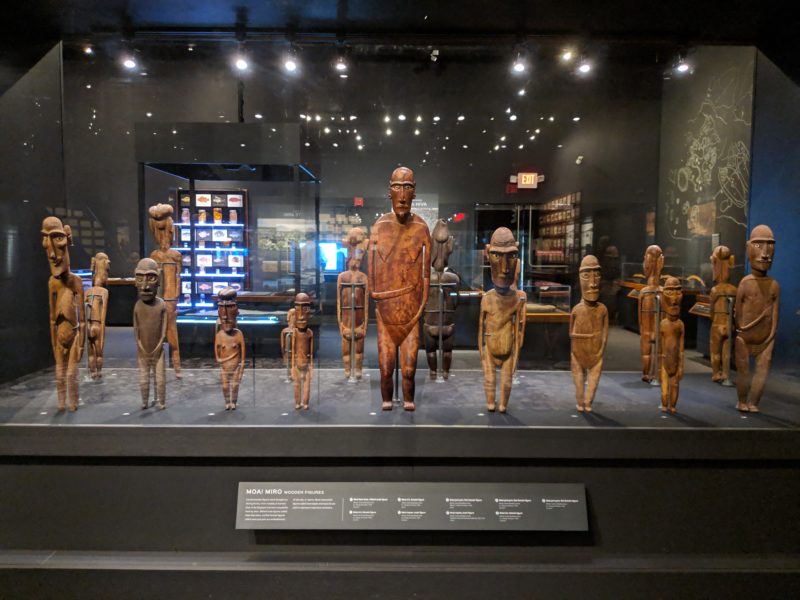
(359, 332)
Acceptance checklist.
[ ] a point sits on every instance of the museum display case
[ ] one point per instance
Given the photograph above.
(381, 281)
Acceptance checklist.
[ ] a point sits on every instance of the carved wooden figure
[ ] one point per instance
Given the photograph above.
(229, 350)
(352, 292)
(439, 322)
(649, 299)
(671, 334)
(501, 325)
(588, 332)
(302, 351)
(96, 310)
(169, 264)
(723, 295)
(150, 329)
(756, 313)
(399, 279)
(286, 334)
(67, 324)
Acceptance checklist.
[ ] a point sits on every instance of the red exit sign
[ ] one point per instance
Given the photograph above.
(527, 181)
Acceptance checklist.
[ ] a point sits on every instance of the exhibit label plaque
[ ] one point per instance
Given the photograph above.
(423, 506)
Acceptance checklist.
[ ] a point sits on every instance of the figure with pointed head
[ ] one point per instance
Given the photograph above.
(352, 292)
(501, 324)
(399, 278)
(439, 323)
(150, 329)
(671, 345)
(588, 332)
(96, 310)
(756, 311)
(302, 351)
(648, 302)
(67, 324)
(229, 348)
(722, 298)
(169, 264)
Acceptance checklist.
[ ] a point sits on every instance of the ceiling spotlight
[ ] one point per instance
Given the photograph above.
(436, 118)
(307, 144)
(342, 75)
(502, 138)
(361, 146)
(497, 147)
(401, 117)
(88, 50)
(327, 130)
(416, 132)
(129, 63)
(388, 131)
(521, 146)
(518, 66)
(190, 47)
(340, 65)
(584, 67)
(258, 116)
(512, 117)
(419, 118)
(533, 137)
(567, 55)
(317, 118)
(290, 62)
(241, 64)
(353, 117)
(387, 119)
(682, 67)
(521, 92)
(461, 117)
(576, 119)
(551, 118)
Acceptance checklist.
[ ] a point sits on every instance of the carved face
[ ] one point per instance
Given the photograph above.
(442, 246)
(760, 253)
(100, 266)
(503, 263)
(721, 261)
(354, 258)
(227, 311)
(56, 239)
(653, 262)
(147, 280)
(671, 298)
(163, 232)
(302, 312)
(590, 285)
(402, 191)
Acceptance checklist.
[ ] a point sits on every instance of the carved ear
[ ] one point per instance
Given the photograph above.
(68, 231)
(517, 245)
(486, 251)
(731, 261)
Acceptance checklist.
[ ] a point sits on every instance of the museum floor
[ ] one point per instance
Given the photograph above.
(540, 398)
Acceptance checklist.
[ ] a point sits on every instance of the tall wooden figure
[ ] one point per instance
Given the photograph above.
(169, 264)
(302, 351)
(649, 308)
(229, 349)
(588, 332)
(756, 312)
(150, 329)
(399, 279)
(501, 325)
(67, 325)
(96, 309)
(352, 292)
(723, 296)
(439, 330)
(671, 335)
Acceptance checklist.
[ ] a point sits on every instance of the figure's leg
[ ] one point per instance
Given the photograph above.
(489, 380)
(306, 388)
(664, 390)
(346, 356)
(506, 378)
(594, 381)
(447, 354)
(742, 374)
(297, 387)
(172, 337)
(234, 390)
(73, 391)
(726, 359)
(61, 357)
(673, 393)
(761, 368)
(578, 378)
(430, 351)
(99, 348)
(715, 350)
(144, 379)
(161, 380)
(226, 388)
(91, 353)
(359, 357)
(386, 363)
(645, 348)
(408, 366)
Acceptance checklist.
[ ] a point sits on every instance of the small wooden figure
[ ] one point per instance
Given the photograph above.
(169, 265)
(588, 332)
(439, 330)
(229, 350)
(648, 305)
(501, 326)
(671, 341)
(302, 351)
(96, 309)
(399, 279)
(352, 292)
(756, 313)
(286, 334)
(67, 324)
(150, 329)
(723, 296)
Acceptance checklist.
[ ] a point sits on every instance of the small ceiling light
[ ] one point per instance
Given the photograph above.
(579, 159)
(461, 117)
(88, 86)
(361, 146)
(149, 114)
(419, 118)
(335, 145)
(387, 119)
(340, 65)
(342, 75)
(537, 130)
(242, 145)
(258, 116)
(464, 146)
(521, 146)
(88, 50)
(327, 130)
(353, 117)
(533, 137)
(512, 117)
(416, 132)
(518, 66)
(317, 118)
(129, 63)
(436, 119)
(584, 67)
(576, 119)
(358, 138)
(682, 67)
(241, 64)
(401, 117)
(561, 145)
(190, 47)
(308, 117)
(388, 131)
(521, 92)
(307, 144)
(497, 147)
(567, 55)
(502, 138)
(508, 110)
(290, 63)
(551, 118)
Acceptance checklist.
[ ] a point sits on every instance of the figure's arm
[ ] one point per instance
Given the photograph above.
(371, 263)
(136, 333)
(242, 356)
(339, 303)
(522, 317)
(216, 349)
(426, 277)
(604, 325)
(163, 326)
(737, 307)
(366, 307)
(81, 317)
(480, 330)
(310, 350)
(52, 302)
(680, 341)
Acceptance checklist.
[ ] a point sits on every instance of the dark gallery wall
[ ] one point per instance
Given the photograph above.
(775, 197)
(31, 185)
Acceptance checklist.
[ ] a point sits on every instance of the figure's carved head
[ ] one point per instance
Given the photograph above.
(161, 225)
(672, 296)
(653, 262)
(100, 267)
(502, 251)
(402, 191)
(443, 245)
(590, 275)
(302, 310)
(721, 262)
(356, 242)
(761, 248)
(227, 308)
(147, 279)
(56, 240)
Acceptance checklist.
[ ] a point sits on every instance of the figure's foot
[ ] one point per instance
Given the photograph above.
(673, 410)
(491, 407)
(297, 407)
(433, 375)
(61, 408)
(386, 405)
(305, 406)
(752, 408)
(145, 405)
(178, 374)
(162, 406)
(409, 405)
(227, 406)
(716, 377)
(647, 378)
(663, 409)
(579, 407)
(74, 407)
(742, 407)
(358, 374)
(587, 407)
(233, 406)
(446, 375)
(503, 409)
